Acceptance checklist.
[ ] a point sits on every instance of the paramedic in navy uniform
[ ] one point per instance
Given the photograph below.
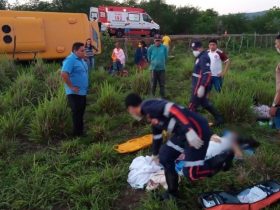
(190, 134)
(201, 82)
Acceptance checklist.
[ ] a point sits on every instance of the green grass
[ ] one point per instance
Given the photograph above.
(42, 168)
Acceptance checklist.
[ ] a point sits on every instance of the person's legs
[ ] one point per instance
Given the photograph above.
(161, 80)
(74, 105)
(93, 62)
(276, 120)
(82, 107)
(206, 104)
(195, 101)
(89, 62)
(217, 82)
(167, 157)
(153, 82)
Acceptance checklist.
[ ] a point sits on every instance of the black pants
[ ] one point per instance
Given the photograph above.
(158, 77)
(78, 106)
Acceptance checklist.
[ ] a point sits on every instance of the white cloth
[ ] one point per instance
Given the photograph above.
(251, 195)
(157, 179)
(216, 148)
(262, 111)
(141, 170)
(120, 55)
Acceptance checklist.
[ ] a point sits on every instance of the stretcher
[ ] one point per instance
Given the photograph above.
(255, 197)
(135, 144)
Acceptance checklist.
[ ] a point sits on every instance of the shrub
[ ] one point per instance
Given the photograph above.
(140, 83)
(12, 124)
(235, 105)
(51, 119)
(24, 91)
(109, 98)
(98, 132)
(99, 154)
(7, 71)
(41, 69)
(53, 81)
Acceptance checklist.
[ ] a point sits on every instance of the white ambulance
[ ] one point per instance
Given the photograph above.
(122, 21)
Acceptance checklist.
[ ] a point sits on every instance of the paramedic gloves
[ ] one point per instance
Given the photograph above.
(194, 139)
(200, 91)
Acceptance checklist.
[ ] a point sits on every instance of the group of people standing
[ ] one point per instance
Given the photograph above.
(189, 131)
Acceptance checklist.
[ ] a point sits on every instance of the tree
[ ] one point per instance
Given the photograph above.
(3, 4)
(207, 22)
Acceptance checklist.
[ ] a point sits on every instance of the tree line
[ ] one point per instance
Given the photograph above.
(172, 19)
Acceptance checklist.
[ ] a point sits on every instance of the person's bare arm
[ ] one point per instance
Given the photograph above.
(66, 79)
(237, 151)
(276, 101)
(226, 68)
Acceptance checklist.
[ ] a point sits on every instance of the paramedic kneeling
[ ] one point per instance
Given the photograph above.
(189, 133)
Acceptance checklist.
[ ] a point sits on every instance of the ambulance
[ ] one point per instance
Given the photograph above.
(27, 35)
(120, 21)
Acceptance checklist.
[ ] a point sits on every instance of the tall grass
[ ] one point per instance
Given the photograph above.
(235, 105)
(51, 119)
(109, 98)
(141, 83)
(25, 90)
(7, 71)
(13, 124)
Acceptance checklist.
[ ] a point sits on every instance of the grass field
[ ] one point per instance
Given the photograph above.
(42, 168)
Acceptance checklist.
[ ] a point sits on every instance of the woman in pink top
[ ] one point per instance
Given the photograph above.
(118, 58)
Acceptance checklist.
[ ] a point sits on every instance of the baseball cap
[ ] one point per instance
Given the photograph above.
(196, 44)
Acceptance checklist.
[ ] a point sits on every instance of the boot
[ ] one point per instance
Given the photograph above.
(216, 114)
(172, 183)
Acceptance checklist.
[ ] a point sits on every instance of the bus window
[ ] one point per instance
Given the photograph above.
(147, 18)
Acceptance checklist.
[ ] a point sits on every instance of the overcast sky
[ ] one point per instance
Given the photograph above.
(222, 6)
(229, 6)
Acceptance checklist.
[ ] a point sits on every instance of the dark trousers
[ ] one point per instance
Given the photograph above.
(78, 106)
(158, 77)
(195, 100)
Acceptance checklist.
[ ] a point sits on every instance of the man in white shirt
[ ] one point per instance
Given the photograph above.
(217, 57)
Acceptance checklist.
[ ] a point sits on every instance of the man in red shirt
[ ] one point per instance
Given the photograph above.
(217, 57)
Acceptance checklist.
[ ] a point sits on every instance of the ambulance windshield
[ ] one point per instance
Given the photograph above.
(147, 18)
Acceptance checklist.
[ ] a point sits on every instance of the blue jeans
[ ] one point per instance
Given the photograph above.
(90, 62)
(276, 119)
(217, 82)
(117, 66)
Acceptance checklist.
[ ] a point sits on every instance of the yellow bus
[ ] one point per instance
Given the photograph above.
(48, 35)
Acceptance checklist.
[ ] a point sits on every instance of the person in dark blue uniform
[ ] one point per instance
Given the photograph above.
(190, 134)
(201, 82)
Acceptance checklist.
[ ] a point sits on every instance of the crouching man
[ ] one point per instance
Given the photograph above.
(190, 134)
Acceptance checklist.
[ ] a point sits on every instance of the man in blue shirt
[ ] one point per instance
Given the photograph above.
(74, 73)
(157, 56)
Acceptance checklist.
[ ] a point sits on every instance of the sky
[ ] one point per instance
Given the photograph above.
(229, 6)
(221, 6)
